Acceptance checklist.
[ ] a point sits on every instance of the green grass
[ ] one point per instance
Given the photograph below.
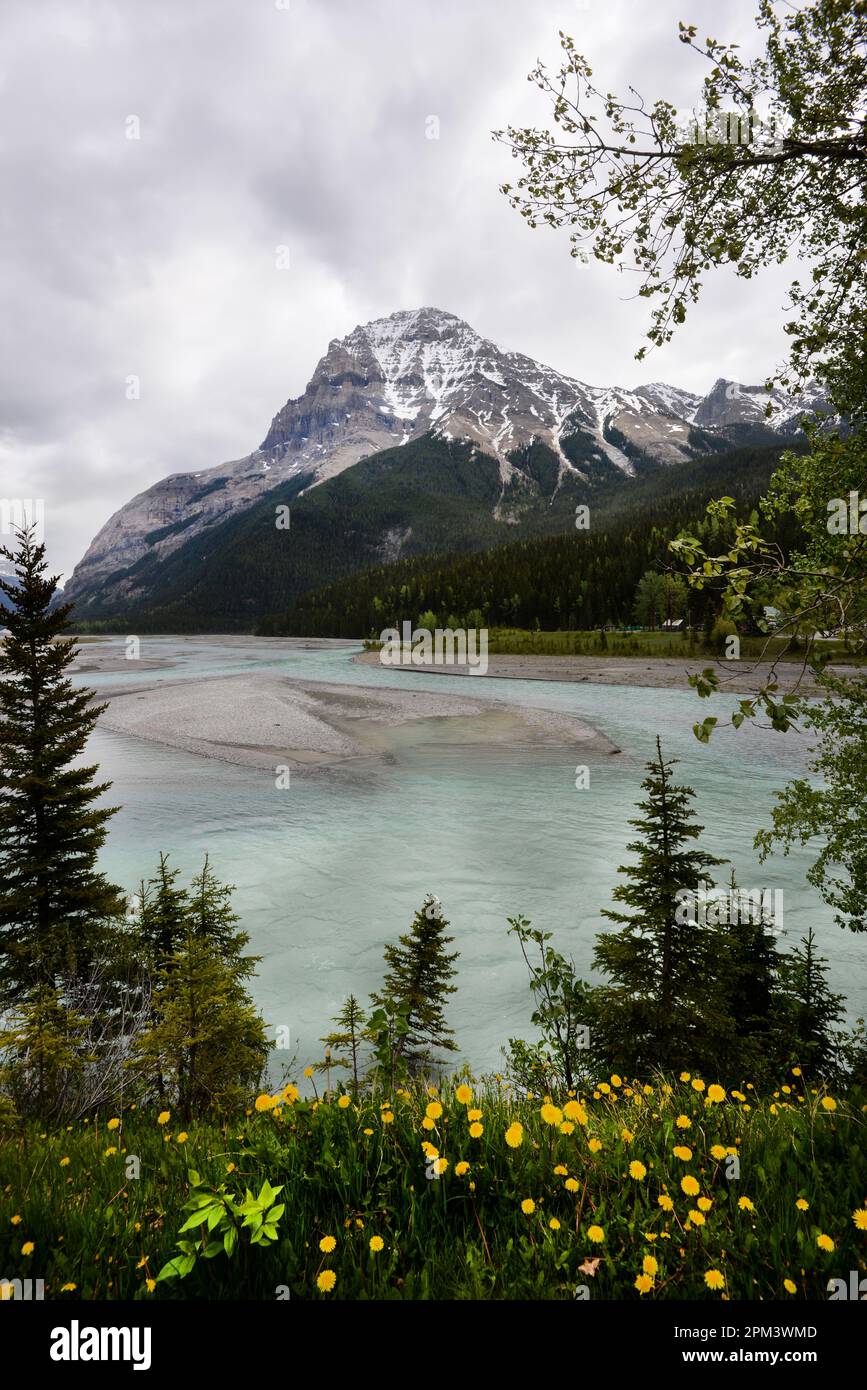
(464, 1234)
(515, 641)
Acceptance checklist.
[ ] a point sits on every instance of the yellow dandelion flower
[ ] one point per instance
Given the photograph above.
(514, 1135)
(461, 1168)
(860, 1218)
(387, 1117)
(428, 1123)
(650, 1265)
(68, 1288)
(571, 1184)
(327, 1244)
(326, 1281)
(643, 1283)
(528, 1206)
(376, 1244)
(474, 1114)
(561, 1170)
(440, 1165)
(697, 1085)
(790, 1286)
(682, 1151)
(65, 1162)
(825, 1242)
(344, 1102)
(110, 1150)
(604, 1088)
(554, 1224)
(637, 1170)
(683, 1122)
(796, 1071)
(28, 1247)
(150, 1285)
(368, 1132)
(627, 1136)
(308, 1072)
(745, 1204)
(113, 1124)
(477, 1130)
(829, 1103)
(567, 1127)
(230, 1167)
(163, 1117)
(714, 1279)
(615, 1080)
(697, 1218)
(434, 1110)
(596, 1234)
(264, 1103)
(463, 1095)
(716, 1094)
(802, 1204)
(689, 1186)
(705, 1203)
(684, 1076)
(718, 1152)
(551, 1114)
(16, 1220)
(574, 1110)
(594, 1145)
(183, 1137)
(665, 1202)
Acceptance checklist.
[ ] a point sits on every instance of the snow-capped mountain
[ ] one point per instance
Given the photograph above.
(421, 371)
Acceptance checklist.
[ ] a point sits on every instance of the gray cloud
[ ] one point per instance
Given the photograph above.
(302, 127)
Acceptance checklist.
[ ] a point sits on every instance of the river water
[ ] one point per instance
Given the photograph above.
(336, 866)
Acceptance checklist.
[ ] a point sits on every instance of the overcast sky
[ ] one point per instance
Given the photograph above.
(301, 124)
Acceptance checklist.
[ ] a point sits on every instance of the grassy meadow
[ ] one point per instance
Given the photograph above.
(665, 1190)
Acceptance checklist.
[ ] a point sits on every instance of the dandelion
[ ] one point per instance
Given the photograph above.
(68, 1288)
(327, 1244)
(463, 1095)
(829, 1103)
(650, 1265)
(113, 1124)
(684, 1076)
(344, 1102)
(714, 1279)
(825, 1242)
(561, 1170)
(368, 1132)
(574, 1110)
(262, 1103)
(860, 1218)
(28, 1247)
(596, 1234)
(110, 1150)
(665, 1202)
(515, 1135)
(637, 1170)
(681, 1151)
(554, 1224)
(528, 1206)
(474, 1114)
(551, 1114)
(571, 1185)
(64, 1162)
(427, 1123)
(697, 1085)
(163, 1117)
(715, 1094)
(615, 1080)
(326, 1281)
(790, 1286)
(718, 1152)
(434, 1110)
(627, 1136)
(595, 1145)
(683, 1122)
(440, 1166)
(376, 1244)
(604, 1088)
(745, 1204)
(689, 1186)
(802, 1204)
(567, 1127)
(150, 1285)
(308, 1072)
(705, 1203)
(461, 1168)
(230, 1167)
(183, 1137)
(16, 1220)
(697, 1218)
(477, 1130)
(387, 1117)
(643, 1283)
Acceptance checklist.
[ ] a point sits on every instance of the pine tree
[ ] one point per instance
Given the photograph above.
(55, 907)
(210, 917)
(346, 1039)
(417, 984)
(810, 1009)
(747, 969)
(161, 917)
(658, 1010)
(206, 1049)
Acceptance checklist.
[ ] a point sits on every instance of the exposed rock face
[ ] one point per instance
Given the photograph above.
(400, 377)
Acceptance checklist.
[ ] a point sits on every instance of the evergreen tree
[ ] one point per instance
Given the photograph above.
(747, 973)
(810, 1009)
(417, 985)
(161, 916)
(211, 918)
(54, 905)
(346, 1039)
(658, 1011)
(207, 1047)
